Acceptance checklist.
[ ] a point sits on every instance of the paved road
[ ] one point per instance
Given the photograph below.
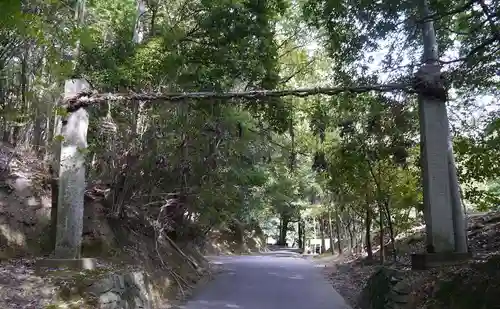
(275, 280)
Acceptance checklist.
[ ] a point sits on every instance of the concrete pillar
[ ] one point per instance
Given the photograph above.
(459, 220)
(72, 177)
(437, 197)
(434, 132)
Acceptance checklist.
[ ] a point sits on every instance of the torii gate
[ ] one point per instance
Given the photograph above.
(443, 212)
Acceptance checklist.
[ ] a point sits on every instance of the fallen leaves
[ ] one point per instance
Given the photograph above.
(349, 276)
(20, 288)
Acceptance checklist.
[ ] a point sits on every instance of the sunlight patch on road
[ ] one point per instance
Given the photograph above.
(288, 276)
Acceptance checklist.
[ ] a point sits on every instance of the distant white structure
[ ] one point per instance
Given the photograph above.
(311, 244)
(289, 240)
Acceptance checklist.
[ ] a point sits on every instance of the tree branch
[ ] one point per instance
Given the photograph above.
(300, 70)
(437, 15)
(273, 142)
(472, 52)
(489, 17)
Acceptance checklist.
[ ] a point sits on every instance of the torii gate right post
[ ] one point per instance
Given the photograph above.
(444, 217)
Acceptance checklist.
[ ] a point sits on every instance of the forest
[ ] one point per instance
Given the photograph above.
(342, 166)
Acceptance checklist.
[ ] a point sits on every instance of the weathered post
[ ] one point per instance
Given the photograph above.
(459, 220)
(69, 165)
(439, 176)
(434, 132)
(72, 177)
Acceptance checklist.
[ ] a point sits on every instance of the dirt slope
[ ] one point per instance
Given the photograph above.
(448, 287)
(25, 204)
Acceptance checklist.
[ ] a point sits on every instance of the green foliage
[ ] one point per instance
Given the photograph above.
(477, 165)
(369, 157)
(241, 160)
(353, 28)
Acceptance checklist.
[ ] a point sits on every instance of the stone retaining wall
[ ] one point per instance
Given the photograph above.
(121, 291)
(386, 289)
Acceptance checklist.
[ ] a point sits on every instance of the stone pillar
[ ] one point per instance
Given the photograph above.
(459, 220)
(434, 132)
(72, 177)
(437, 197)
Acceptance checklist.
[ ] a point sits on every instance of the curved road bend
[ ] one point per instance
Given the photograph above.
(276, 280)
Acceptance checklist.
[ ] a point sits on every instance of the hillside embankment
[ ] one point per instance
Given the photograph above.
(137, 267)
(368, 284)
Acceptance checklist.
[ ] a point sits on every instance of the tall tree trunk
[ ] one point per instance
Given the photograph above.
(361, 239)
(315, 233)
(304, 234)
(358, 237)
(152, 24)
(391, 229)
(23, 79)
(368, 236)
(283, 230)
(322, 233)
(40, 117)
(330, 230)
(2, 100)
(37, 132)
(5, 103)
(351, 235)
(301, 234)
(352, 246)
(139, 29)
(381, 239)
(337, 228)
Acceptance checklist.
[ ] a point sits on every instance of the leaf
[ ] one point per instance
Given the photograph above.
(83, 151)
(61, 111)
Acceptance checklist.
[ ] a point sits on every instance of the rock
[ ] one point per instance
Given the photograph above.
(476, 225)
(402, 287)
(121, 291)
(113, 283)
(398, 299)
(493, 218)
(109, 299)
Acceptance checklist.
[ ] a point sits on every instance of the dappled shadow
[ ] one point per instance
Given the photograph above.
(24, 219)
(25, 204)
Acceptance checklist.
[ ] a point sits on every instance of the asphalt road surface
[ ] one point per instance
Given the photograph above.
(276, 280)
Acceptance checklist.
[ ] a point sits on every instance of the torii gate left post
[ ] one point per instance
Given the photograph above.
(72, 183)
